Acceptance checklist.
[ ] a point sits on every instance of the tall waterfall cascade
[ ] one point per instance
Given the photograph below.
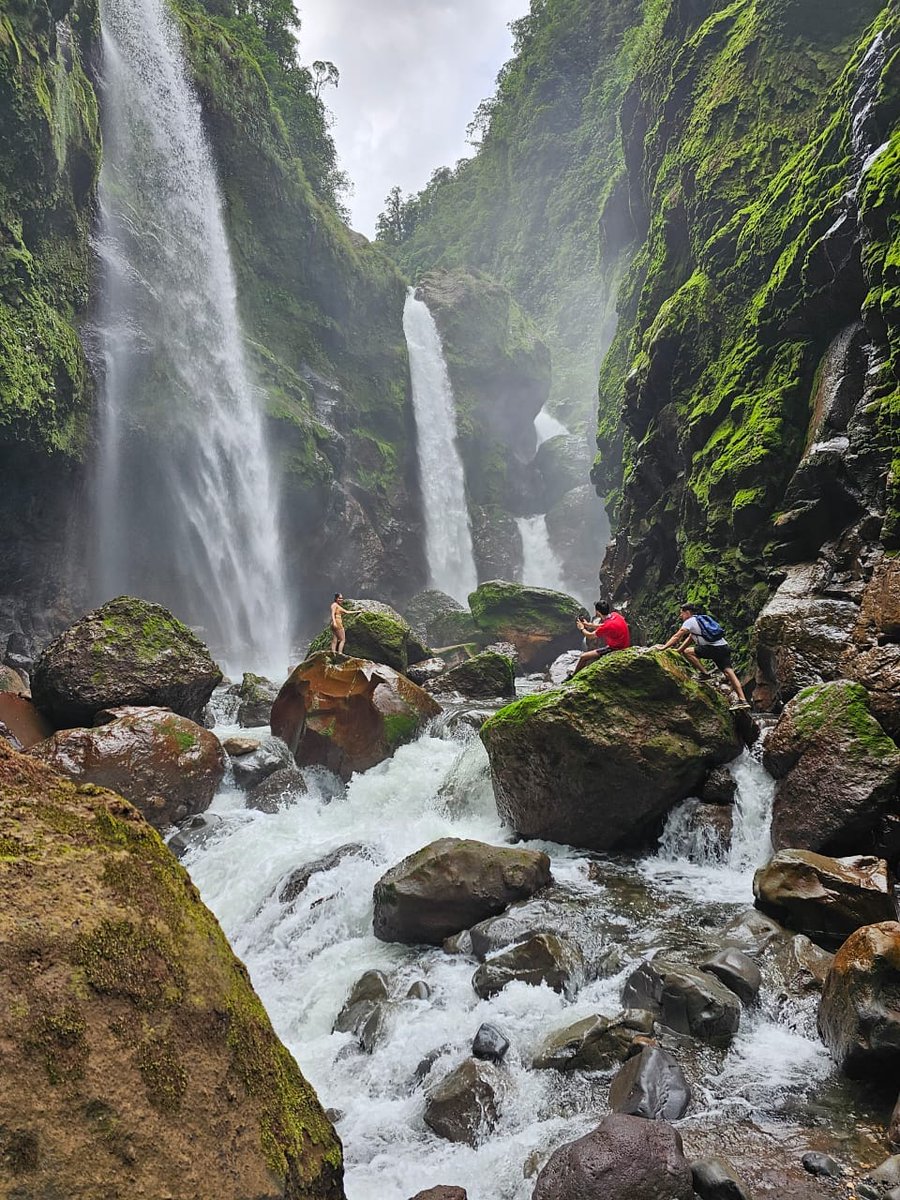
(186, 502)
(448, 533)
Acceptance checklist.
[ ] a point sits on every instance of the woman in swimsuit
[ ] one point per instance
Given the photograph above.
(338, 633)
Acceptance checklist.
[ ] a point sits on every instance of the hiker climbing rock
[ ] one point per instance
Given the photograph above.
(709, 641)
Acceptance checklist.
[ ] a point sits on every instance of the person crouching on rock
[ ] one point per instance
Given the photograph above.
(338, 633)
(610, 629)
(709, 642)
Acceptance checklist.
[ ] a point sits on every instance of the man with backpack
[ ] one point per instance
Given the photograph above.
(709, 641)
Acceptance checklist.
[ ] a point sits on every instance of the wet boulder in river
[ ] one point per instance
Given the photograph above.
(543, 958)
(594, 1043)
(167, 766)
(347, 714)
(267, 757)
(598, 762)
(825, 898)
(464, 1106)
(490, 1043)
(838, 774)
(378, 633)
(685, 999)
(650, 1084)
(439, 620)
(127, 652)
(442, 1192)
(486, 675)
(540, 623)
(449, 885)
(623, 1157)
(716, 1179)
(737, 971)
(859, 1014)
(257, 696)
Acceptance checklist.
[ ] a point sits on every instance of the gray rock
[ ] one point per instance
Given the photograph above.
(594, 1043)
(819, 1163)
(650, 1084)
(685, 999)
(365, 998)
(419, 991)
(464, 1106)
(719, 787)
(490, 1043)
(298, 880)
(803, 965)
(716, 1179)
(251, 769)
(257, 695)
(737, 971)
(752, 931)
(888, 1172)
(277, 791)
(542, 958)
(442, 1192)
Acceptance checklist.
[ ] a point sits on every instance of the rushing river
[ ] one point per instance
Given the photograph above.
(769, 1098)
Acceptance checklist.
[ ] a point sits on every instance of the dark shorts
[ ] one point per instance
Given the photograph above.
(720, 655)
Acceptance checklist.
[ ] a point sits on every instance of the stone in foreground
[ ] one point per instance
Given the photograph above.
(598, 762)
(824, 898)
(130, 1030)
(452, 884)
(127, 652)
(347, 714)
(167, 766)
(623, 1157)
(652, 1085)
(685, 999)
(859, 1015)
(540, 623)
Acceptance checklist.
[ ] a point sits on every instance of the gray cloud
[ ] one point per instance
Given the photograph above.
(412, 74)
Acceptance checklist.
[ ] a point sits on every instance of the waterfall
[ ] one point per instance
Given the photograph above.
(448, 535)
(546, 426)
(186, 505)
(540, 565)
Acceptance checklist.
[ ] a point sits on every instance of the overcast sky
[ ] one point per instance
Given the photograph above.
(412, 74)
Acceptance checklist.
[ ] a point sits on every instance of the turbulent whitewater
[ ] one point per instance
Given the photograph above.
(186, 504)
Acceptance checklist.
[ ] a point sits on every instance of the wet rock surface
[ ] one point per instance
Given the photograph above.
(652, 1085)
(296, 883)
(283, 787)
(542, 958)
(482, 677)
(376, 632)
(685, 999)
(257, 695)
(716, 1179)
(737, 971)
(594, 1043)
(540, 623)
(127, 652)
(266, 757)
(451, 884)
(464, 1106)
(859, 1015)
(439, 620)
(167, 766)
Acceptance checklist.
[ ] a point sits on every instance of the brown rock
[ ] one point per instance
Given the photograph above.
(825, 898)
(348, 714)
(464, 1106)
(737, 971)
(542, 958)
(859, 1015)
(238, 746)
(450, 885)
(442, 1193)
(652, 1085)
(135, 1052)
(595, 1043)
(685, 999)
(23, 720)
(879, 611)
(878, 670)
(11, 682)
(623, 1157)
(803, 965)
(164, 764)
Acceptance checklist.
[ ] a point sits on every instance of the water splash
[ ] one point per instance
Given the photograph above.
(448, 534)
(186, 506)
(546, 426)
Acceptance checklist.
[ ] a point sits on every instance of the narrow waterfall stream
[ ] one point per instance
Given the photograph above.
(540, 565)
(761, 1102)
(186, 505)
(448, 534)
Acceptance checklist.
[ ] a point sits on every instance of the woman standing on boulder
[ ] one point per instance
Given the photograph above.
(338, 632)
(709, 641)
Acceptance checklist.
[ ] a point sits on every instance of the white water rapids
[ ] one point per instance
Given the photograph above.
(304, 957)
(186, 505)
(448, 534)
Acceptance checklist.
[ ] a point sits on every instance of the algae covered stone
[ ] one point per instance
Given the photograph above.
(376, 632)
(127, 652)
(134, 1045)
(600, 761)
(485, 675)
(540, 623)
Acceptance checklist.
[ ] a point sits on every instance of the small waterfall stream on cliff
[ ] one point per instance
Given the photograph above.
(540, 565)
(760, 1099)
(448, 535)
(186, 506)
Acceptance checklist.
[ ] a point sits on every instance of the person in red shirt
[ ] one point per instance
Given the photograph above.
(611, 631)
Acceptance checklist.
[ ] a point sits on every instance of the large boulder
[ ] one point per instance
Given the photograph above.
(685, 999)
(439, 620)
(540, 623)
(22, 720)
(450, 885)
(623, 1157)
(838, 774)
(650, 1084)
(348, 714)
(377, 632)
(859, 1015)
(130, 1031)
(600, 761)
(126, 652)
(542, 958)
(167, 766)
(464, 1106)
(257, 695)
(824, 898)
(486, 675)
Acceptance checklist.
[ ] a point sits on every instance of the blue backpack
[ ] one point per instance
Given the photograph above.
(710, 628)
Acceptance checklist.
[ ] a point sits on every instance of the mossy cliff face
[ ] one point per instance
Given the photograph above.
(49, 161)
(130, 1030)
(739, 428)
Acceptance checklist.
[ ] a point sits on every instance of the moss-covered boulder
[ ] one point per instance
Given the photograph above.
(130, 1030)
(439, 620)
(125, 652)
(859, 1017)
(600, 761)
(167, 766)
(540, 623)
(377, 632)
(485, 675)
(257, 695)
(838, 775)
(348, 714)
(452, 884)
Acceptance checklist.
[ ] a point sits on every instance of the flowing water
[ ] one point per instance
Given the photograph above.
(448, 533)
(547, 426)
(771, 1096)
(186, 504)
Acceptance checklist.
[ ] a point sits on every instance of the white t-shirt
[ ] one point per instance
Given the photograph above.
(692, 625)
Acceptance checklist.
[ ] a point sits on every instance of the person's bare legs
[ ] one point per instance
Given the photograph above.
(340, 648)
(691, 655)
(334, 641)
(729, 674)
(588, 656)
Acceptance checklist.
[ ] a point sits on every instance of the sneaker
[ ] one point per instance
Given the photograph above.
(739, 705)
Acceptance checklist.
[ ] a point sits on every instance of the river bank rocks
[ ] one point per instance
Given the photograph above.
(685, 999)
(481, 677)
(347, 714)
(824, 898)
(450, 885)
(167, 766)
(129, 1028)
(377, 632)
(598, 762)
(540, 623)
(127, 652)
(439, 620)
(623, 1156)
(859, 1015)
